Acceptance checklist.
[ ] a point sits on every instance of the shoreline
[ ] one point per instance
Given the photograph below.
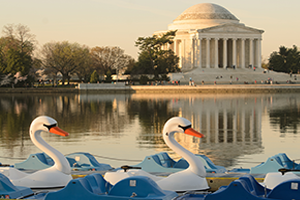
(120, 88)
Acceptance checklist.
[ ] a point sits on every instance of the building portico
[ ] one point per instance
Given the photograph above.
(209, 36)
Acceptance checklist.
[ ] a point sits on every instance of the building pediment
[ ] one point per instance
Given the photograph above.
(231, 28)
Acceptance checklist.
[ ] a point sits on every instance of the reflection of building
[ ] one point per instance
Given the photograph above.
(232, 126)
(209, 36)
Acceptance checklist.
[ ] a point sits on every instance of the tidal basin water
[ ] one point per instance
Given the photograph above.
(241, 130)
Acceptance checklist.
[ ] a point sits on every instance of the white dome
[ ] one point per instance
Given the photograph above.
(202, 16)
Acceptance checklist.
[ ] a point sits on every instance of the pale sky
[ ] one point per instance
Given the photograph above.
(121, 22)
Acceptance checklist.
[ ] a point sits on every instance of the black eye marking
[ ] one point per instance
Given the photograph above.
(167, 133)
(50, 126)
(185, 127)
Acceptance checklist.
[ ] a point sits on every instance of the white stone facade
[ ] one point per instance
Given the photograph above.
(209, 36)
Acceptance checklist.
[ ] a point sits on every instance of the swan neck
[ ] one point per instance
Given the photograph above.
(195, 164)
(60, 162)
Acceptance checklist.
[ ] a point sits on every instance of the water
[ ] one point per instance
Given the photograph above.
(241, 130)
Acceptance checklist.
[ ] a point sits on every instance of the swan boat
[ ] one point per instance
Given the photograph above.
(56, 176)
(192, 178)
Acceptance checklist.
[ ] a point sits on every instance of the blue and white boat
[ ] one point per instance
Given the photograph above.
(163, 163)
(94, 187)
(79, 161)
(247, 188)
(273, 164)
(10, 191)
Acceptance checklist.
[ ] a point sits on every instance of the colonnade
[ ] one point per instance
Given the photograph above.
(213, 52)
(223, 126)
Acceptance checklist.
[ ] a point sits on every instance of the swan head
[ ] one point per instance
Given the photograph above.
(47, 124)
(179, 125)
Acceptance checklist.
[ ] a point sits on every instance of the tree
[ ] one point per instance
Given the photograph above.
(20, 38)
(94, 77)
(16, 50)
(62, 57)
(2, 56)
(153, 58)
(285, 60)
(18, 61)
(85, 64)
(109, 59)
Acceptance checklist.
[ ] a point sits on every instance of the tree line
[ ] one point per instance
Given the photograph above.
(21, 61)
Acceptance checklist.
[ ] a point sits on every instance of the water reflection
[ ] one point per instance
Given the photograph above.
(130, 125)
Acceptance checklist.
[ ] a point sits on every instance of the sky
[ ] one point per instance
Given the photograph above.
(121, 22)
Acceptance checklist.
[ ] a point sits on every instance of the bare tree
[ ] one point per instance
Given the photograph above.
(110, 58)
(20, 38)
(61, 57)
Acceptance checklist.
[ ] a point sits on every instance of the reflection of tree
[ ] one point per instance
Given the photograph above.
(79, 118)
(286, 118)
(152, 115)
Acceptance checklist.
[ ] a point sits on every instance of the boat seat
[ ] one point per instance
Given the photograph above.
(94, 183)
(182, 163)
(89, 187)
(254, 187)
(286, 191)
(236, 190)
(286, 162)
(278, 160)
(73, 162)
(166, 160)
(97, 184)
(156, 159)
(43, 159)
(138, 186)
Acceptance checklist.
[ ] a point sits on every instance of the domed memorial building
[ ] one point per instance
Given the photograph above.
(209, 36)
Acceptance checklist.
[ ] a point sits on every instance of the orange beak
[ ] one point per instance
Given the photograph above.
(193, 132)
(58, 131)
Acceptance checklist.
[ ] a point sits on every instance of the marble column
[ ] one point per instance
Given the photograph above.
(234, 52)
(216, 53)
(259, 53)
(224, 52)
(207, 52)
(243, 53)
(199, 56)
(192, 53)
(251, 52)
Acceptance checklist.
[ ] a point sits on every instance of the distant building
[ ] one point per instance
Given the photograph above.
(209, 36)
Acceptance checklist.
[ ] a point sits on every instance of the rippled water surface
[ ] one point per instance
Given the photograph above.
(240, 130)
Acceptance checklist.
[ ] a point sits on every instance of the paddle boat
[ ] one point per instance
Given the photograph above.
(94, 187)
(273, 164)
(247, 187)
(162, 162)
(53, 177)
(192, 178)
(9, 191)
(79, 161)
